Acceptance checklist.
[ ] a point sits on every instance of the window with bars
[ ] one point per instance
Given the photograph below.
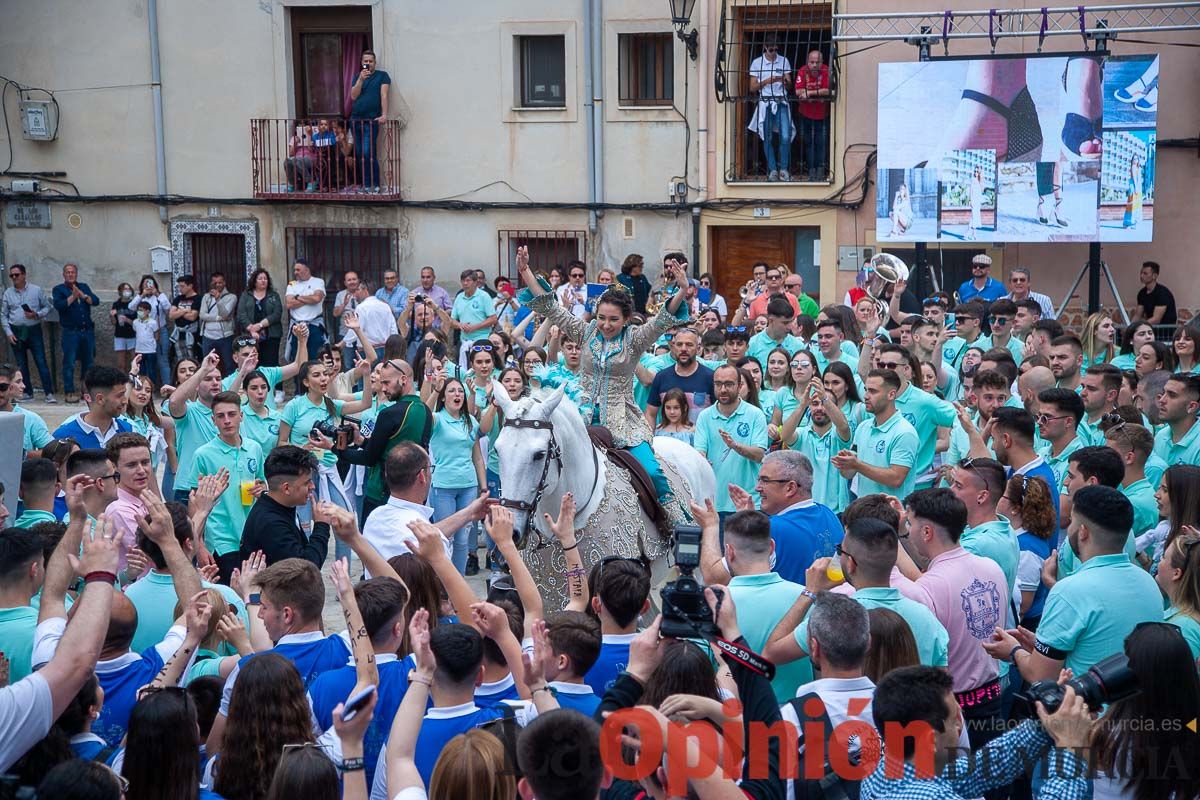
(332, 252)
(543, 71)
(808, 94)
(547, 250)
(646, 70)
(223, 253)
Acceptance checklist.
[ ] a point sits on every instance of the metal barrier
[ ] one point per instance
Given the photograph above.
(326, 157)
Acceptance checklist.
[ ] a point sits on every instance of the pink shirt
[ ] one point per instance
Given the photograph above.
(967, 593)
(124, 513)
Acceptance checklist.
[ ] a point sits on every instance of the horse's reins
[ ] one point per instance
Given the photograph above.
(554, 453)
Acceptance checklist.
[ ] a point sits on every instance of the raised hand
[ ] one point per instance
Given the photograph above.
(136, 367)
(522, 258)
(253, 565)
(300, 330)
(197, 614)
(136, 563)
(339, 571)
(431, 544)
(740, 498)
(76, 486)
(418, 639)
(564, 526)
(210, 364)
(490, 619)
(231, 629)
(499, 525)
(209, 572)
(535, 663)
(101, 550)
(156, 525)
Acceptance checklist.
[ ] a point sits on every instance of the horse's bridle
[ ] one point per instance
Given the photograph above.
(554, 453)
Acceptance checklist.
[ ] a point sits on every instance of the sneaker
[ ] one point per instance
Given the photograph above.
(51, 399)
(774, 176)
(472, 565)
(312, 187)
(784, 176)
(27, 397)
(72, 397)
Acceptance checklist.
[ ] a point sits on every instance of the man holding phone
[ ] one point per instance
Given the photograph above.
(370, 95)
(22, 309)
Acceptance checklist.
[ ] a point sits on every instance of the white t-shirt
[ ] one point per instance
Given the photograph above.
(144, 331)
(761, 69)
(26, 714)
(306, 313)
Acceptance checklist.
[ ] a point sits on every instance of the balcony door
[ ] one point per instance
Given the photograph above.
(327, 44)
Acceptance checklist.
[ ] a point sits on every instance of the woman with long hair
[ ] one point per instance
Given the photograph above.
(631, 278)
(802, 368)
(1178, 499)
(144, 418)
(749, 381)
(260, 315)
(532, 358)
(1140, 736)
(1133, 337)
(162, 747)
(260, 422)
(901, 213)
(610, 348)
(1187, 348)
(485, 365)
(268, 710)
(504, 348)
(1030, 510)
(839, 382)
(1179, 578)
(424, 588)
(458, 470)
(1153, 356)
(1098, 336)
(892, 644)
(778, 372)
(676, 416)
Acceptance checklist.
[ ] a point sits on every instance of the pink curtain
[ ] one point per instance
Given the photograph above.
(353, 45)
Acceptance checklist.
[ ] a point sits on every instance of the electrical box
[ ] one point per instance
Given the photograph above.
(851, 259)
(39, 120)
(160, 259)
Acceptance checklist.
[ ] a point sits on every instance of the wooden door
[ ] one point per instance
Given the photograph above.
(219, 252)
(735, 249)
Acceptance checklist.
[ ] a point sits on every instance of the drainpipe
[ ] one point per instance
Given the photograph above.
(703, 68)
(593, 87)
(160, 150)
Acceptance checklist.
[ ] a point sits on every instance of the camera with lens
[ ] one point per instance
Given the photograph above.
(330, 429)
(1106, 682)
(685, 612)
(419, 298)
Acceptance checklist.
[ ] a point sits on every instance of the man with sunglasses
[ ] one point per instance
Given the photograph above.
(100, 480)
(245, 361)
(770, 75)
(1059, 413)
(981, 285)
(925, 412)
(573, 295)
(753, 308)
(1001, 315)
(968, 322)
(1020, 290)
(22, 310)
(1013, 431)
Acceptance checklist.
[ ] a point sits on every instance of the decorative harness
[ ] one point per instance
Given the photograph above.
(554, 453)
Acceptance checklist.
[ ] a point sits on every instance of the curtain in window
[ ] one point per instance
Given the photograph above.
(353, 45)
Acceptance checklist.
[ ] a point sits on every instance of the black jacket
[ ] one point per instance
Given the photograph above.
(271, 527)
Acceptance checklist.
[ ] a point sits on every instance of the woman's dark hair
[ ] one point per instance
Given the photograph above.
(807, 327)
(620, 298)
(255, 374)
(562, 278)
(1140, 736)
(1031, 497)
(1164, 354)
(150, 410)
(505, 338)
(842, 370)
(751, 386)
(181, 362)
(1127, 335)
(441, 400)
(206, 696)
(1189, 331)
(631, 262)
(269, 708)
(533, 348)
(845, 317)
(492, 353)
(424, 588)
(519, 371)
(1183, 496)
(679, 396)
(142, 283)
(161, 746)
(254, 278)
(308, 366)
(788, 380)
(425, 351)
(80, 780)
(684, 669)
(892, 644)
(395, 346)
(305, 772)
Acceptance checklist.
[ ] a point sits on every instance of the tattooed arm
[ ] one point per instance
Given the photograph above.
(365, 668)
(196, 618)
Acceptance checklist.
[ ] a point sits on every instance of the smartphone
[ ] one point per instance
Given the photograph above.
(356, 702)
(25, 307)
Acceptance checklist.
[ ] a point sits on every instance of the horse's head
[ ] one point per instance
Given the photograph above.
(525, 449)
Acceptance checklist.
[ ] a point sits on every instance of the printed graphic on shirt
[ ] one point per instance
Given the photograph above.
(981, 604)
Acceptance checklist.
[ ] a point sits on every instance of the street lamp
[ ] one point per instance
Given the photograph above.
(681, 16)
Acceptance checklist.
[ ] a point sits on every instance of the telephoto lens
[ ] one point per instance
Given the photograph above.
(1109, 680)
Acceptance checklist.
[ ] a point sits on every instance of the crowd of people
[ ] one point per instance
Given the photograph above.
(948, 523)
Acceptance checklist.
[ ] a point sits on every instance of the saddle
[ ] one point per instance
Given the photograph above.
(643, 486)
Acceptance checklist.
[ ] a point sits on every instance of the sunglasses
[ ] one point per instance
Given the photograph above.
(935, 301)
(736, 329)
(999, 320)
(1042, 419)
(245, 341)
(482, 348)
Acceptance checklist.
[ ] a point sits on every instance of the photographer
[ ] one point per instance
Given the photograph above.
(922, 697)
(754, 691)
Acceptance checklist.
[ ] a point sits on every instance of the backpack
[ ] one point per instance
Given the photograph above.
(831, 786)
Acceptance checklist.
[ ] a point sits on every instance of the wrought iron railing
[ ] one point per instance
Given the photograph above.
(320, 158)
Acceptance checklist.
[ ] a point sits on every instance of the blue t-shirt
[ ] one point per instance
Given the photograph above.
(614, 657)
(333, 687)
(439, 728)
(491, 694)
(698, 387)
(71, 429)
(120, 679)
(310, 653)
(803, 534)
(1032, 543)
(369, 103)
(576, 696)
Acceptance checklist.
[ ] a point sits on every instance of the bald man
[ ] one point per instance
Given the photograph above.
(1031, 384)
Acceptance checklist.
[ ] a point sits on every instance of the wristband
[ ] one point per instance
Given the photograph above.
(811, 595)
(415, 678)
(572, 547)
(746, 657)
(100, 576)
(1012, 654)
(255, 599)
(352, 764)
(541, 689)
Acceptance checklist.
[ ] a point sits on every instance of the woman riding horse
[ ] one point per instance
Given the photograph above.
(611, 349)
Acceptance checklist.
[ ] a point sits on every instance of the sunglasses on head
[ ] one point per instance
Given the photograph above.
(736, 329)
(245, 341)
(482, 348)
(934, 301)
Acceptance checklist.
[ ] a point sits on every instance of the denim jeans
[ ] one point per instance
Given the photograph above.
(78, 344)
(778, 123)
(445, 502)
(29, 338)
(316, 340)
(223, 346)
(366, 156)
(815, 133)
(164, 349)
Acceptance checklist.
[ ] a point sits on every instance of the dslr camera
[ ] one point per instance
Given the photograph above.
(685, 612)
(1106, 682)
(339, 433)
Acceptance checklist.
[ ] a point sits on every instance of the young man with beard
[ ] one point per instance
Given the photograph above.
(1066, 360)
(688, 375)
(105, 394)
(827, 431)
(968, 320)
(1178, 442)
(925, 412)
(970, 434)
(1099, 389)
(886, 445)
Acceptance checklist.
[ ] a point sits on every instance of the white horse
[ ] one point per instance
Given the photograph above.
(545, 452)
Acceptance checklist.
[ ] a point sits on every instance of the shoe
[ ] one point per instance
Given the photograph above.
(1148, 103)
(472, 565)
(1133, 92)
(51, 399)
(1024, 129)
(312, 187)
(1078, 131)
(27, 397)
(784, 176)
(1059, 219)
(774, 176)
(72, 397)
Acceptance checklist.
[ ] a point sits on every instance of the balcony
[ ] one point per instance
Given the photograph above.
(323, 159)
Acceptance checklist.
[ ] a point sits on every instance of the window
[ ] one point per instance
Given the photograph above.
(547, 249)
(797, 28)
(331, 252)
(326, 45)
(543, 71)
(219, 252)
(646, 69)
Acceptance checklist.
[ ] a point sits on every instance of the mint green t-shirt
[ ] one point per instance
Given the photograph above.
(36, 435)
(153, 595)
(995, 540)
(747, 425)
(829, 487)
(223, 530)
(1145, 507)
(302, 415)
(894, 443)
(273, 376)
(1089, 614)
(1188, 626)
(32, 517)
(450, 446)
(761, 346)
(762, 601)
(1185, 451)
(1068, 562)
(933, 642)
(194, 429)
(17, 626)
(926, 413)
(263, 431)
(471, 311)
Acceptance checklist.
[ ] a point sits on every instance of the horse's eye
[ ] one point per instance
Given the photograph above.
(538, 456)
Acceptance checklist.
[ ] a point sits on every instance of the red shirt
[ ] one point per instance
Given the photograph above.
(813, 109)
